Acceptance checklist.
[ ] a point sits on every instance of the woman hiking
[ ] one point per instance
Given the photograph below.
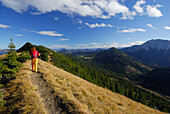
(34, 58)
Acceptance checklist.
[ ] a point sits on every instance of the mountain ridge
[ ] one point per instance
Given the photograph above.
(117, 61)
(154, 52)
(154, 43)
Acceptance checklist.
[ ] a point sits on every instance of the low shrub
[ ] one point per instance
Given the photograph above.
(23, 57)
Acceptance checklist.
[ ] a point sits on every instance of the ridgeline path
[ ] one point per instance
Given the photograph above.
(50, 101)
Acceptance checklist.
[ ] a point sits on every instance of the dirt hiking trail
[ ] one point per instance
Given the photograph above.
(50, 101)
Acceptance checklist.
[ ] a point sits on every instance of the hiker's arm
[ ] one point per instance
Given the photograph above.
(38, 53)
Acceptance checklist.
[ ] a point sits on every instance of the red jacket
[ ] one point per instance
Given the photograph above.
(34, 54)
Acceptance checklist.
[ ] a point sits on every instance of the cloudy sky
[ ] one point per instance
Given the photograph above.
(83, 23)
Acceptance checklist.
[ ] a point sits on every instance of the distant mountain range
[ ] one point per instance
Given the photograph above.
(117, 61)
(155, 52)
(3, 51)
(79, 51)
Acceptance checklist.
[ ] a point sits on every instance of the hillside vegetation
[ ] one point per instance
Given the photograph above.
(101, 77)
(72, 92)
(9, 66)
(157, 80)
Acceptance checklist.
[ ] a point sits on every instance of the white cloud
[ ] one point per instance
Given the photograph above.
(4, 26)
(137, 43)
(98, 25)
(138, 7)
(95, 8)
(35, 13)
(167, 27)
(48, 33)
(63, 39)
(80, 21)
(151, 26)
(152, 11)
(109, 25)
(94, 43)
(44, 6)
(116, 45)
(128, 15)
(112, 7)
(19, 35)
(58, 46)
(56, 18)
(131, 30)
(129, 44)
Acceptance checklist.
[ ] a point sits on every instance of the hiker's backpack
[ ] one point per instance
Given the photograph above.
(34, 55)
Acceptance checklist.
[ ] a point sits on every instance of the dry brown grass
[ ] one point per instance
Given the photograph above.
(80, 96)
(2, 56)
(87, 97)
(21, 95)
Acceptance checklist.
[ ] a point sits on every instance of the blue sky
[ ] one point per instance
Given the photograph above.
(83, 23)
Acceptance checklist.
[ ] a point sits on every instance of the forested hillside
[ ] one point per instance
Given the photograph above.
(157, 80)
(101, 77)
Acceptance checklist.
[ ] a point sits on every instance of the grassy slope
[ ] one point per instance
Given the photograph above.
(80, 95)
(21, 95)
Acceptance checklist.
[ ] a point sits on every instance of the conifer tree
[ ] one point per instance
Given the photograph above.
(11, 46)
